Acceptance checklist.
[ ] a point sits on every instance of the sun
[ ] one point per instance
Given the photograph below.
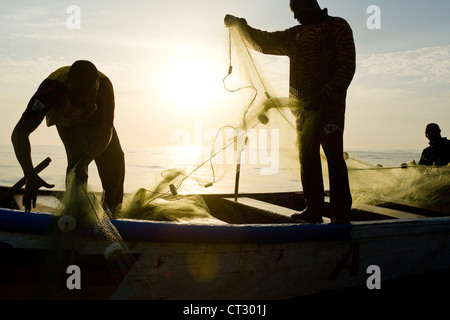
(192, 85)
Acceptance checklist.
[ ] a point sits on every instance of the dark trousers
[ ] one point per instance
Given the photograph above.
(330, 137)
(110, 163)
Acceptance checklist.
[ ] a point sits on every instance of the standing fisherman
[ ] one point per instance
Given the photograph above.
(322, 65)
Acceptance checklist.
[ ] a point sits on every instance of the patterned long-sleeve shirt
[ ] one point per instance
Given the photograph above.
(322, 60)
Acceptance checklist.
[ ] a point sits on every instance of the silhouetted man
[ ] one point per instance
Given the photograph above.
(322, 65)
(438, 153)
(79, 100)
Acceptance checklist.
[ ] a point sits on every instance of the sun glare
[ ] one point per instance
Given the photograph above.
(192, 86)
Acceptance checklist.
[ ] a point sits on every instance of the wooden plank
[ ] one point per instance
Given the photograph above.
(385, 211)
(423, 207)
(389, 212)
(269, 207)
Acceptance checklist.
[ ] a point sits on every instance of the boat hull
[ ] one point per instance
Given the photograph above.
(275, 258)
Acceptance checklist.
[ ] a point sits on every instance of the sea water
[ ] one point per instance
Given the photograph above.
(144, 167)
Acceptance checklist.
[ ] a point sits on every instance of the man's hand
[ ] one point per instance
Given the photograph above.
(81, 172)
(33, 183)
(231, 20)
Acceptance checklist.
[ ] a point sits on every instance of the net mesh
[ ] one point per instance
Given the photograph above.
(266, 109)
(82, 211)
(81, 219)
(369, 183)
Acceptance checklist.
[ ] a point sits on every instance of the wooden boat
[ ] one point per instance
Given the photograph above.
(257, 252)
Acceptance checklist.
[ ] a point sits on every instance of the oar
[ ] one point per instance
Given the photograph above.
(238, 170)
(19, 184)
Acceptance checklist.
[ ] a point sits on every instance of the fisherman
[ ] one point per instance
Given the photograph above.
(322, 65)
(79, 101)
(438, 153)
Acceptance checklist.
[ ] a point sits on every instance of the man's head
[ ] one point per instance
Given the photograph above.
(433, 132)
(305, 11)
(82, 84)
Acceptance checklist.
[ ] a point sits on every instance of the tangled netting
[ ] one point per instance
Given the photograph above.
(370, 183)
(82, 212)
(264, 107)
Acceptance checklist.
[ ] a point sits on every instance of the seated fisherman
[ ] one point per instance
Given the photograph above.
(438, 153)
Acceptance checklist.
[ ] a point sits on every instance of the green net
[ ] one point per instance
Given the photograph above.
(263, 108)
(82, 220)
(266, 108)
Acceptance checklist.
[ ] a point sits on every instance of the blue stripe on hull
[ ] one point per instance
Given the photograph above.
(147, 231)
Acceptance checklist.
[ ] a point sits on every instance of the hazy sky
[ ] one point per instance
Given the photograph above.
(167, 59)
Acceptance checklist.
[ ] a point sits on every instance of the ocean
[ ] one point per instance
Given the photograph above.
(145, 166)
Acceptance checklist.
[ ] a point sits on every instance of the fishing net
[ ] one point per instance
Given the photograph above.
(264, 116)
(81, 219)
(370, 184)
(158, 205)
(266, 108)
(407, 183)
(82, 214)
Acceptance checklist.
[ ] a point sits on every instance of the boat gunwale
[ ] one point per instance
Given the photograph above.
(40, 223)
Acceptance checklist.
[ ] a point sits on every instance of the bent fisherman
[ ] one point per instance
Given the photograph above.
(79, 101)
(322, 65)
